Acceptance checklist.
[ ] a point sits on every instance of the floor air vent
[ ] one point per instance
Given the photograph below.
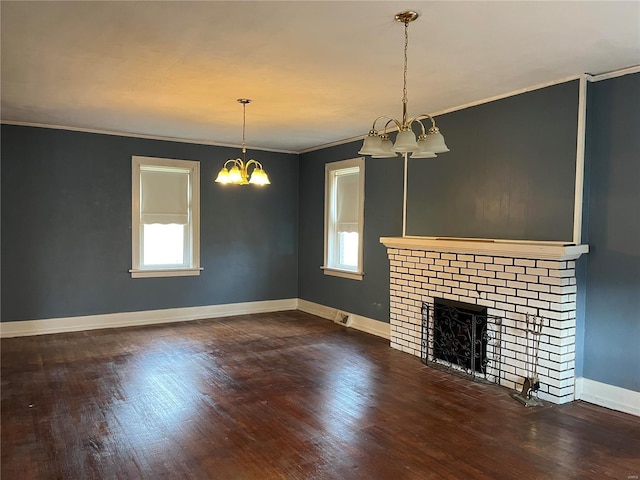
(343, 318)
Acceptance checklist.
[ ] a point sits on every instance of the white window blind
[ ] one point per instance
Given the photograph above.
(164, 196)
(347, 203)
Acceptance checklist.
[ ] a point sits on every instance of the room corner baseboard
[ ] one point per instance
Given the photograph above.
(364, 324)
(608, 396)
(146, 317)
(169, 315)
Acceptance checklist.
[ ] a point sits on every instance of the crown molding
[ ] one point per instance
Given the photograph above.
(142, 135)
(613, 74)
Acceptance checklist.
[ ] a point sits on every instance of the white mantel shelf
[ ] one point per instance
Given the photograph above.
(497, 248)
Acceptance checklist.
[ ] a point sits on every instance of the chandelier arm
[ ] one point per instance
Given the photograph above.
(235, 161)
(390, 119)
(424, 132)
(425, 115)
(386, 125)
(255, 163)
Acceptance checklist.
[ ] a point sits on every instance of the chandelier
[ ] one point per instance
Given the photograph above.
(236, 170)
(429, 142)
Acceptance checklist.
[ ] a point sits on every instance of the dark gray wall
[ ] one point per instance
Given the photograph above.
(66, 225)
(66, 220)
(510, 173)
(382, 217)
(612, 315)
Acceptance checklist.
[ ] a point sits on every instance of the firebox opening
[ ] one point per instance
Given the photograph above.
(459, 334)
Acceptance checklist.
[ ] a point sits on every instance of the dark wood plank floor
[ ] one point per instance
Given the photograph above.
(280, 396)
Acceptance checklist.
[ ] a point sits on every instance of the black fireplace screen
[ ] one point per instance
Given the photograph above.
(463, 338)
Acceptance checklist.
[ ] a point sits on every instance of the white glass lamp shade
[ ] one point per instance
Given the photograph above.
(422, 154)
(424, 151)
(387, 149)
(259, 177)
(223, 176)
(405, 142)
(372, 145)
(234, 175)
(435, 142)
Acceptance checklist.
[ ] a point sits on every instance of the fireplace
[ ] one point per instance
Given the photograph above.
(514, 282)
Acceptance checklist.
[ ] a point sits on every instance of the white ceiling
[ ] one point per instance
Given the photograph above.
(317, 71)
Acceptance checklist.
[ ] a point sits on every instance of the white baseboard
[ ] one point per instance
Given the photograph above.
(608, 396)
(364, 324)
(317, 309)
(147, 317)
(374, 327)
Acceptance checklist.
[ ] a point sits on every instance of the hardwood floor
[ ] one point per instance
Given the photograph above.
(280, 396)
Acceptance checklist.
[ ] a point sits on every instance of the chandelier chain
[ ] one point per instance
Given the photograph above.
(244, 122)
(406, 46)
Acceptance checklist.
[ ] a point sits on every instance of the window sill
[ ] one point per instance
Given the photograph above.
(168, 272)
(342, 273)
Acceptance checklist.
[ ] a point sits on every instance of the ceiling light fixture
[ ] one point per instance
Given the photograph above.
(238, 172)
(429, 143)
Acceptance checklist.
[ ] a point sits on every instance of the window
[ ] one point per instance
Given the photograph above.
(165, 206)
(344, 215)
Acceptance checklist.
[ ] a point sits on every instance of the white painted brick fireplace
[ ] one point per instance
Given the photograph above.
(511, 279)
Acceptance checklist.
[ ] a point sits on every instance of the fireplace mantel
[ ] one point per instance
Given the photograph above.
(498, 248)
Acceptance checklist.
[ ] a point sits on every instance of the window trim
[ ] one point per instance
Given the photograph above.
(328, 184)
(194, 212)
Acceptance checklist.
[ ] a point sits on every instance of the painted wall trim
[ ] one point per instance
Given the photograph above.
(405, 183)
(146, 317)
(364, 324)
(615, 73)
(142, 135)
(580, 148)
(608, 396)
(509, 94)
